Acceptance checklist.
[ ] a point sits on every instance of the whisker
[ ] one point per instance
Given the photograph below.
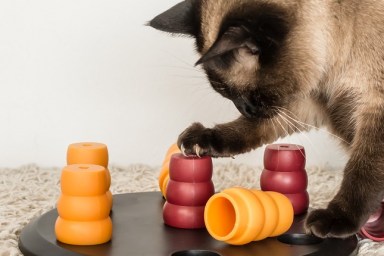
(179, 59)
(189, 76)
(287, 116)
(274, 128)
(284, 110)
(302, 133)
(289, 124)
(282, 127)
(177, 67)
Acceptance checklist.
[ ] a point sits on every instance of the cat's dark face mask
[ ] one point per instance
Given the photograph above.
(237, 63)
(232, 65)
(253, 107)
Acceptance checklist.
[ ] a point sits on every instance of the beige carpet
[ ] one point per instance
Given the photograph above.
(29, 191)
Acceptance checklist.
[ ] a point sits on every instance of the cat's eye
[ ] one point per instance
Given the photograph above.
(252, 48)
(220, 88)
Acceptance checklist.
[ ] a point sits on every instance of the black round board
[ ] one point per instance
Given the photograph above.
(138, 230)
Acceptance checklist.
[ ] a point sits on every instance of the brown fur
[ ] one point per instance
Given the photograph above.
(326, 69)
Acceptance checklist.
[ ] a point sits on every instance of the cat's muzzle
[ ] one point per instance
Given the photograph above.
(251, 109)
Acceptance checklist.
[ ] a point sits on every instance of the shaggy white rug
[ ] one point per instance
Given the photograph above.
(29, 191)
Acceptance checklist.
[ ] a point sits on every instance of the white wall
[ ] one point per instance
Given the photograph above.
(90, 70)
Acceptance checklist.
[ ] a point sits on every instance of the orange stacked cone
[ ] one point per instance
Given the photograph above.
(90, 153)
(86, 201)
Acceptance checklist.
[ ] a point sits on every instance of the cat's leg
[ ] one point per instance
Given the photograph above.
(362, 187)
(236, 137)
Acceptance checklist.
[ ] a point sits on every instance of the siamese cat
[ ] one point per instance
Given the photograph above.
(290, 66)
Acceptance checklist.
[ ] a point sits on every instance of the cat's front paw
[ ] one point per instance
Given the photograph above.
(197, 140)
(325, 223)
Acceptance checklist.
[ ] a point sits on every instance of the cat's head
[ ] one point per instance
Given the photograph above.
(257, 53)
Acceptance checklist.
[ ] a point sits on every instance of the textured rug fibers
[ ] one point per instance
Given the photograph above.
(30, 191)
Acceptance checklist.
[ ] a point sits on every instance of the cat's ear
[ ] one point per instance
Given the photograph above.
(233, 38)
(179, 19)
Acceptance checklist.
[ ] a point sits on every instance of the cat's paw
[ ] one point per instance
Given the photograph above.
(197, 140)
(325, 223)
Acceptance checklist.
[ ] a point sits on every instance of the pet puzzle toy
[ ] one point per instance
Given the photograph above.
(284, 172)
(84, 206)
(239, 216)
(374, 227)
(189, 188)
(164, 173)
(90, 153)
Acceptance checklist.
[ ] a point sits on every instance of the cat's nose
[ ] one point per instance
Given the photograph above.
(246, 107)
(252, 107)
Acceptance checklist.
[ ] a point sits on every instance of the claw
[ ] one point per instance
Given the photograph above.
(182, 149)
(197, 149)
